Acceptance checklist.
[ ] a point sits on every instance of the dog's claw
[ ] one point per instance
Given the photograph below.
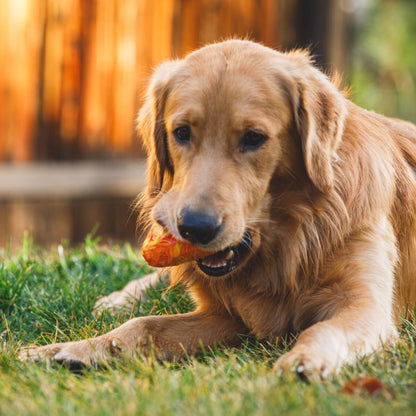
(306, 363)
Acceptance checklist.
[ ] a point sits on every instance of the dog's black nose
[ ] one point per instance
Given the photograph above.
(198, 227)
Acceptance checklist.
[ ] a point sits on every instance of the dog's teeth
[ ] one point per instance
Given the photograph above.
(215, 265)
(230, 255)
(218, 263)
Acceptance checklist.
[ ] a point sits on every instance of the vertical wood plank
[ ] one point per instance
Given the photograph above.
(4, 79)
(190, 25)
(162, 21)
(52, 72)
(19, 44)
(124, 84)
(71, 78)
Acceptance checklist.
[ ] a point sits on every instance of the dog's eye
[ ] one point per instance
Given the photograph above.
(251, 141)
(182, 134)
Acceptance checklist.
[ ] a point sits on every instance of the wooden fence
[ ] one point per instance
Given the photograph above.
(72, 71)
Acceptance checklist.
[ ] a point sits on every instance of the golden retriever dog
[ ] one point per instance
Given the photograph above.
(307, 200)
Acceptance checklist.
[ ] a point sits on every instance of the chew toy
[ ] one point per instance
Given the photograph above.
(162, 249)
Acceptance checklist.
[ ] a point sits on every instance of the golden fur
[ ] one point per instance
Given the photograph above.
(329, 199)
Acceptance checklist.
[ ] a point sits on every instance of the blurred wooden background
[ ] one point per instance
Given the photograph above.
(73, 70)
(73, 73)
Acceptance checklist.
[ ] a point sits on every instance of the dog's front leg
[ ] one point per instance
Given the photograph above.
(134, 291)
(355, 299)
(170, 337)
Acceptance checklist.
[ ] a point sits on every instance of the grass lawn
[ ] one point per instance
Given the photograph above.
(48, 295)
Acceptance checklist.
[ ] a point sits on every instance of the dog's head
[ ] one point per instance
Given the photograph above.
(224, 124)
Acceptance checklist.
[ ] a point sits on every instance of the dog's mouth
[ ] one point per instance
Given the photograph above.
(225, 261)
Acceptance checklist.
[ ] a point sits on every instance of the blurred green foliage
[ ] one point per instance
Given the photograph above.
(383, 60)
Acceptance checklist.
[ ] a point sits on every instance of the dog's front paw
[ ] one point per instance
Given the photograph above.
(75, 355)
(113, 302)
(306, 362)
(134, 291)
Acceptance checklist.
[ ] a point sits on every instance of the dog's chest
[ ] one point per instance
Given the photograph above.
(266, 316)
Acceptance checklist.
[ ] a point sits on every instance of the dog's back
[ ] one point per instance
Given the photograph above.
(403, 215)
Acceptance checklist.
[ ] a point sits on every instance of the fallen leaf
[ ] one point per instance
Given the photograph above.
(370, 386)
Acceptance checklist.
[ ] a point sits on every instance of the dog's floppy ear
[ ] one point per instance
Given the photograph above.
(151, 128)
(319, 110)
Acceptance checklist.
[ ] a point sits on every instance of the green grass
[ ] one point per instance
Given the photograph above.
(382, 71)
(48, 295)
